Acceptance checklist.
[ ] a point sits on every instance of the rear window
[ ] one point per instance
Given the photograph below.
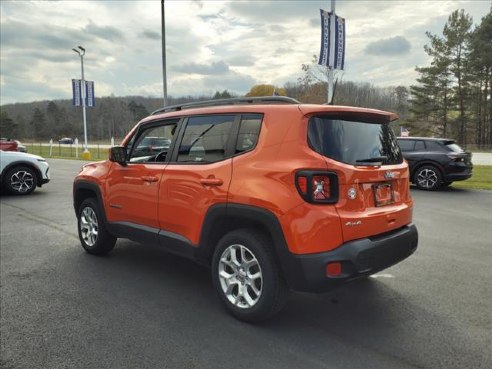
(454, 147)
(352, 141)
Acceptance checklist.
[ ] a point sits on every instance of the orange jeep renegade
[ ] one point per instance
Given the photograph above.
(270, 193)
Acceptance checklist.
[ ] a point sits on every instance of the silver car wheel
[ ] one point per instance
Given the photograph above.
(240, 276)
(22, 181)
(427, 178)
(89, 226)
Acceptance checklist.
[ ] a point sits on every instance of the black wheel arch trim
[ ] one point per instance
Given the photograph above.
(423, 163)
(79, 185)
(239, 215)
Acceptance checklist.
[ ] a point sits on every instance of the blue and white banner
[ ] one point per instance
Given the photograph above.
(332, 53)
(76, 93)
(90, 98)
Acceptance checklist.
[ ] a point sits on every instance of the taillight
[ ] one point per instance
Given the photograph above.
(317, 186)
(456, 157)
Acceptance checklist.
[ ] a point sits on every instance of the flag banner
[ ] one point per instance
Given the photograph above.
(404, 132)
(90, 98)
(332, 53)
(76, 92)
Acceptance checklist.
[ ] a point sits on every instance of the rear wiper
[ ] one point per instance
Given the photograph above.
(376, 159)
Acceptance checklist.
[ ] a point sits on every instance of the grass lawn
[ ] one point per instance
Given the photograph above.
(66, 152)
(481, 179)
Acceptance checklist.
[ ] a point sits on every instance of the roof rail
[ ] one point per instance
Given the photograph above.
(233, 101)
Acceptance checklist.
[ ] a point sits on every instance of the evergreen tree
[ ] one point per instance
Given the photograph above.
(8, 128)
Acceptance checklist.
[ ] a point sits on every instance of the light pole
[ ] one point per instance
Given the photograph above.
(330, 69)
(81, 52)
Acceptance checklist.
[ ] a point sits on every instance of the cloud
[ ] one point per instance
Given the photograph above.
(104, 32)
(150, 35)
(211, 45)
(397, 45)
(204, 69)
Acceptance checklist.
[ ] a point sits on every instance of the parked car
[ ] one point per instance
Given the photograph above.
(435, 162)
(7, 144)
(20, 147)
(65, 140)
(149, 146)
(21, 173)
(269, 193)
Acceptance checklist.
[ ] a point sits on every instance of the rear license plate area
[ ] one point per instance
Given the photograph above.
(383, 194)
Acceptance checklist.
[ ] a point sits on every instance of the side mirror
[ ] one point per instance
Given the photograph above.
(118, 155)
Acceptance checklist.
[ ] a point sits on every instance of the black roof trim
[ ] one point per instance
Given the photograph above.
(233, 101)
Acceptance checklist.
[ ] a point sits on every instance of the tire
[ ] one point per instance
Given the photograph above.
(428, 178)
(93, 235)
(247, 277)
(20, 180)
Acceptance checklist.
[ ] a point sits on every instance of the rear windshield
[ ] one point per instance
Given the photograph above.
(453, 147)
(353, 141)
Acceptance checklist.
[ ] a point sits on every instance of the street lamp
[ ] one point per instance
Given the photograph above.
(81, 53)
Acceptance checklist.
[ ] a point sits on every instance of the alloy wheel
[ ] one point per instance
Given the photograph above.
(22, 181)
(89, 226)
(240, 276)
(427, 178)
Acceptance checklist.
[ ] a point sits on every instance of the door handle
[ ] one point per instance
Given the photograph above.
(149, 179)
(211, 181)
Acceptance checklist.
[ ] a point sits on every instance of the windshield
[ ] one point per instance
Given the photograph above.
(352, 141)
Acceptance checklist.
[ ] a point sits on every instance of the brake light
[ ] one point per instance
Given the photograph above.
(456, 157)
(317, 187)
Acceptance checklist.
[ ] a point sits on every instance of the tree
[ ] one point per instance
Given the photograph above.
(443, 86)
(8, 127)
(480, 65)
(266, 90)
(139, 111)
(222, 95)
(38, 124)
(457, 36)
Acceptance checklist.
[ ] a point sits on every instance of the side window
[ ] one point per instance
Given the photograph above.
(249, 132)
(153, 144)
(205, 138)
(433, 146)
(419, 146)
(406, 145)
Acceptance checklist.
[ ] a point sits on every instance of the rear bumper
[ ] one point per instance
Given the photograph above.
(457, 172)
(358, 258)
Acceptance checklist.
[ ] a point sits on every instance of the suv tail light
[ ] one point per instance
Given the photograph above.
(456, 157)
(317, 187)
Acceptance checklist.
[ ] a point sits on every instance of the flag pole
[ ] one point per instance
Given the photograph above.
(164, 72)
(329, 92)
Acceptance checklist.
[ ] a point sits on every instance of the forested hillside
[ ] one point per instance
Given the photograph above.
(115, 116)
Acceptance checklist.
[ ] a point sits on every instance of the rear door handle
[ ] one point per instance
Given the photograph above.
(211, 181)
(149, 179)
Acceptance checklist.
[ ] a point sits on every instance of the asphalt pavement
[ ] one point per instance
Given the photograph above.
(140, 307)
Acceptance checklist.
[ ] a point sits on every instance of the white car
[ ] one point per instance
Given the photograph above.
(21, 173)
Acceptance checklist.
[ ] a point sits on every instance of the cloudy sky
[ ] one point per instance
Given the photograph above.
(211, 45)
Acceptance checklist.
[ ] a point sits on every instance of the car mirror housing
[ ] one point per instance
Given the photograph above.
(117, 154)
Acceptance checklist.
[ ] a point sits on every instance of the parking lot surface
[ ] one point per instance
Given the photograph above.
(140, 307)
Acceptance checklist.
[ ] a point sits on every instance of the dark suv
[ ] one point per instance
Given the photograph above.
(435, 162)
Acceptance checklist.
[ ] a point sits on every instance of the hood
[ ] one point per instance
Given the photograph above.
(20, 155)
